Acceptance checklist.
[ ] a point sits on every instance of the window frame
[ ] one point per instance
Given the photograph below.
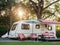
(13, 27)
(47, 26)
(37, 26)
(26, 27)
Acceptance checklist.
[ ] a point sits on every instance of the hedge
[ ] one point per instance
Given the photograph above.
(3, 30)
(58, 33)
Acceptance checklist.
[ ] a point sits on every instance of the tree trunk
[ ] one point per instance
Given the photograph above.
(40, 9)
(10, 21)
(10, 18)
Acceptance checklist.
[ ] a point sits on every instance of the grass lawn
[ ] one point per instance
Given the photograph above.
(29, 43)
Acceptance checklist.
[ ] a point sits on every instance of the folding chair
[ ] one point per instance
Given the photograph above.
(34, 36)
(21, 36)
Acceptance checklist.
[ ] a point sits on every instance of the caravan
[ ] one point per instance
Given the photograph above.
(33, 29)
(25, 28)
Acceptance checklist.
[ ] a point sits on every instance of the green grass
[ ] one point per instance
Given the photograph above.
(29, 43)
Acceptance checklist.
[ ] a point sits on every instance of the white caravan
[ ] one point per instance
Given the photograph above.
(25, 27)
(33, 29)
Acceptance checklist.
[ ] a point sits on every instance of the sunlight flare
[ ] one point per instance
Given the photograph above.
(20, 12)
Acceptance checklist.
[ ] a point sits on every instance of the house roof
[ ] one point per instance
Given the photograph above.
(49, 22)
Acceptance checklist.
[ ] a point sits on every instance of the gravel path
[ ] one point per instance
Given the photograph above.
(8, 40)
(11, 40)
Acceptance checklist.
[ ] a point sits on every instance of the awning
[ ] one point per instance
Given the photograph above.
(49, 22)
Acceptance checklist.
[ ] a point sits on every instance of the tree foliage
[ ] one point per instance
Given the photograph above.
(41, 8)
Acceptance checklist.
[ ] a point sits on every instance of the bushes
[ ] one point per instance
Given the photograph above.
(3, 30)
(58, 33)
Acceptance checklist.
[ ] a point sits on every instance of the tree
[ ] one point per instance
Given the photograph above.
(39, 7)
(42, 9)
(6, 19)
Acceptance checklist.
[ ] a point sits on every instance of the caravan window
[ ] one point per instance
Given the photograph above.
(13, 27)
(37, 26)
(25, 26)
(48, 27)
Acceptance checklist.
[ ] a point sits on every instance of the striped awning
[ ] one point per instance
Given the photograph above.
(49, 22)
